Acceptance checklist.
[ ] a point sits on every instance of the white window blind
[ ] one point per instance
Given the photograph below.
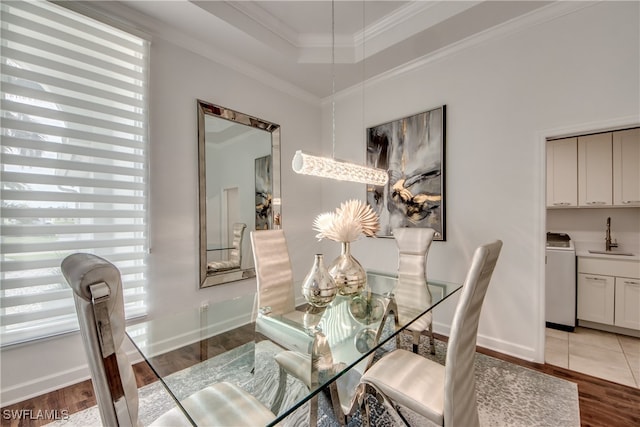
(73, 161)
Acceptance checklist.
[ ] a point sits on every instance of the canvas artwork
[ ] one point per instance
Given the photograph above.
(412, 150)
(263, 193)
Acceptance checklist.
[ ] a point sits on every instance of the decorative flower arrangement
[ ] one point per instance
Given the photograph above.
(351, 220)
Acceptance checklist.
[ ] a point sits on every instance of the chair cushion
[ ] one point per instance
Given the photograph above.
(395, 376)
(214, 266)
(222, 404)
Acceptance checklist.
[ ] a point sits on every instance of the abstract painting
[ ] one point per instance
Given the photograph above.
(263, 193)
(412, 151)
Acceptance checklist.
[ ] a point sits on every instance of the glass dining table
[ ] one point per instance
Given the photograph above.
(228, 341)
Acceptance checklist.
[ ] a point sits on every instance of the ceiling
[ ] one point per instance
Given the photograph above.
(296, 42)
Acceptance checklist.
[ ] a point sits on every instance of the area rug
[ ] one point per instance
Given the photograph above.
(508, 394)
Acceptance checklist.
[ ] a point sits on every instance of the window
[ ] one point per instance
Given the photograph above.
(73, 162)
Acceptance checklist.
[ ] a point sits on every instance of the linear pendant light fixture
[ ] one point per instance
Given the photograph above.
(325, 167)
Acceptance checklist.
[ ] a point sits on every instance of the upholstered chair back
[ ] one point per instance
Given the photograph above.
(274, 275)
(235, 254)
(460, 408)
(97, 290)
(413, 246)
(411, 292)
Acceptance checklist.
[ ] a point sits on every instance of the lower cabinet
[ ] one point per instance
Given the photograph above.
(609, 299)
(596, 298)
(627, 311)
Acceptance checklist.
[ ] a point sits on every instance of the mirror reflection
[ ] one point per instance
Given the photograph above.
(239, 189)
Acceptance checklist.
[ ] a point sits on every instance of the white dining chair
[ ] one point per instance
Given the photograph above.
(98, 295)
(235, 253)
(274, 275)
(446, 395)
(275, 295)
(413, 247)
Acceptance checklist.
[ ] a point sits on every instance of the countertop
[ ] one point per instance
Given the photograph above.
(582, 250)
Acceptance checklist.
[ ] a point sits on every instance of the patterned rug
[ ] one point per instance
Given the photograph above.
(508, 394)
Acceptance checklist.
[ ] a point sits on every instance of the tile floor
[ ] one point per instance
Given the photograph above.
(604, 355)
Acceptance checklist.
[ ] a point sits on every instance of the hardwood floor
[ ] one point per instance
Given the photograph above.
(602, 403)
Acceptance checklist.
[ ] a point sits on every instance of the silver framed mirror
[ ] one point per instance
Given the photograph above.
(238, 189)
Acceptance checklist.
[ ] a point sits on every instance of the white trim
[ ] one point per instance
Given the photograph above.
(256, 13)
(501, 346)
(93, 13)
(506, 347)
(531, 19)
(405, 22)
(29, 389)
(175, 342)
(157, 29)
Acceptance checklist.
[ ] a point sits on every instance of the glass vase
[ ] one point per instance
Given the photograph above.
(347, 272)
(318, 287)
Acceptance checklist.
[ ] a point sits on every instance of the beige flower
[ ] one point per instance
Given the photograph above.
(352, 219)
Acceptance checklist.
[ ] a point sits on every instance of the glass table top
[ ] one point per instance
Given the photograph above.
(226, 341)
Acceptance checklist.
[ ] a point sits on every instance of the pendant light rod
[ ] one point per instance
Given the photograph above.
(307, 164)
(333, 79)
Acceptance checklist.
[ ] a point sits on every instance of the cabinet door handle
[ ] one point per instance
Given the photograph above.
(561, 204)
(600, 279)
(630, 282)
(629, 202)
(596, 203)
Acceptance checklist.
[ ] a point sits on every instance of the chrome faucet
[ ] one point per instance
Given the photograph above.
(607, 241)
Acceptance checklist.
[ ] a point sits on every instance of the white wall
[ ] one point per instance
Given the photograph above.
(587, 226)
(503, 96)
(179, 77)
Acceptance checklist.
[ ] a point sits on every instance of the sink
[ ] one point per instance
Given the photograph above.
(611, 253)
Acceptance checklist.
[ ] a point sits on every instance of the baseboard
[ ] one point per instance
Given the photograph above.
(36, 387)
(501, 346)
(27, 390)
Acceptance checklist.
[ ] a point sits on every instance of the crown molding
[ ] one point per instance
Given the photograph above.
(528, 20)
(262, 17)
(404, 22)
(132, 20)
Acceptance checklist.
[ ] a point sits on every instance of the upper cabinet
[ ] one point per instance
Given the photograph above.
(562, 172)
(598, 170)
(595, 170)
(626, 167)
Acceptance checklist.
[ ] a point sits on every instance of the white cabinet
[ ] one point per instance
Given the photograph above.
(596, 298)
(595, 174)
(609, 292)
(626, 167)
(627, 306)
(598, 170)
(562, 172)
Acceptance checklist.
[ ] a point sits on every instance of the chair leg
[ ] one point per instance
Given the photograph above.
(432, 340)
(313, 411)
(335, 403)
(364, 412)
(416, 340)
(388, 405)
